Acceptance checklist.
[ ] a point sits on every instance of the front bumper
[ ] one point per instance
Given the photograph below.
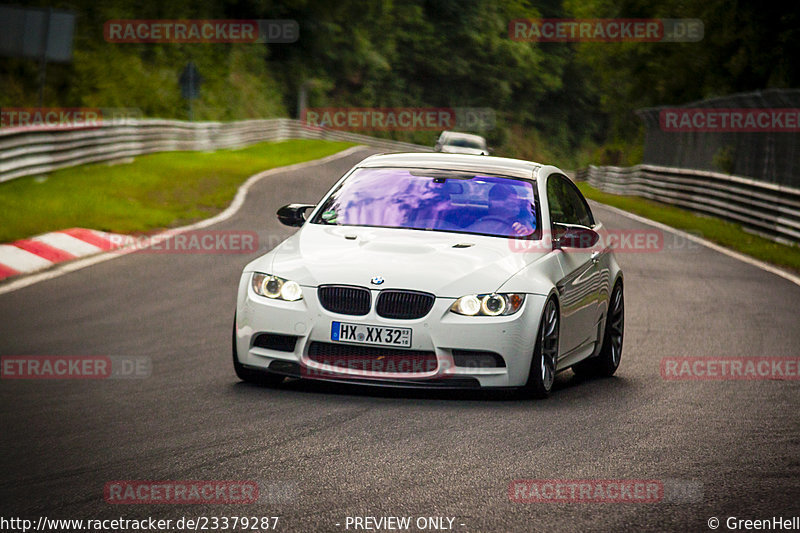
(440, 332)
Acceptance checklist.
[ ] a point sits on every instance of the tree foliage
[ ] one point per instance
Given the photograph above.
(549, 98)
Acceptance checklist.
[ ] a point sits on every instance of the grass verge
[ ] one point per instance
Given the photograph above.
(719, 231)
(154, 191)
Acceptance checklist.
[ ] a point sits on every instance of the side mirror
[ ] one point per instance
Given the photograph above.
(293, 214)
(573, 236)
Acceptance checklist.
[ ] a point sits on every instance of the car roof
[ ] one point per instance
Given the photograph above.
(470, 163)
(462, 135)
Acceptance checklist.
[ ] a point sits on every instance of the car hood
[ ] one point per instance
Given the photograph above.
(445, 264)
(462, 150)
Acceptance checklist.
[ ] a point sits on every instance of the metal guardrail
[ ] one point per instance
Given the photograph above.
(31, 152)
(768, 209)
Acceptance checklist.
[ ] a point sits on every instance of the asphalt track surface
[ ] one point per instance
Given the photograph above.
(337, 451)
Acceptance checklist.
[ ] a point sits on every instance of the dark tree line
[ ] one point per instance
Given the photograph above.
(551, 99)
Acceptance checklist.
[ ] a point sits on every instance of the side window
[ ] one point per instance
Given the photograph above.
(580, 209)
(567, 204)
(555, 200)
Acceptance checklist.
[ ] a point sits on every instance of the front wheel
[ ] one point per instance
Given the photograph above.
(605, 364)
(249, 375)
(542, 374)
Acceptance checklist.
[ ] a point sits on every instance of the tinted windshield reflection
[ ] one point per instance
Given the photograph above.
(433, 200)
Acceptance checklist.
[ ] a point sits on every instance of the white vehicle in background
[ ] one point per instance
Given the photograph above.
(454, 142)
(435, 270)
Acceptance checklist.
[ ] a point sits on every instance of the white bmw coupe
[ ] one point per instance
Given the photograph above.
(437, 271)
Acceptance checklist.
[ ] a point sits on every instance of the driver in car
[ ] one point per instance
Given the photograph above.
(508, 214)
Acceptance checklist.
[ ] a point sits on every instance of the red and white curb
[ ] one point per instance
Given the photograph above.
(122, 244)
(43, 251)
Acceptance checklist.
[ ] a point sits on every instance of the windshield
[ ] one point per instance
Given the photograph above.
(433, 200)
(465, 142)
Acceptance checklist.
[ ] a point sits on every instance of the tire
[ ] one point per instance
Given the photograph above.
(542, 373)
(259, 377)
(607, 362)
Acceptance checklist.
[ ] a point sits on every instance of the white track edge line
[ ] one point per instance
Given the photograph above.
(71, 266)
(238, 201)
(708, 244)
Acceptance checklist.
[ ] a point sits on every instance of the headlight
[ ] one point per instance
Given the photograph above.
(488, 304)
(276, 288)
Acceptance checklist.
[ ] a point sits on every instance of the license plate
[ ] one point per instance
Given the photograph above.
(364, 334)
